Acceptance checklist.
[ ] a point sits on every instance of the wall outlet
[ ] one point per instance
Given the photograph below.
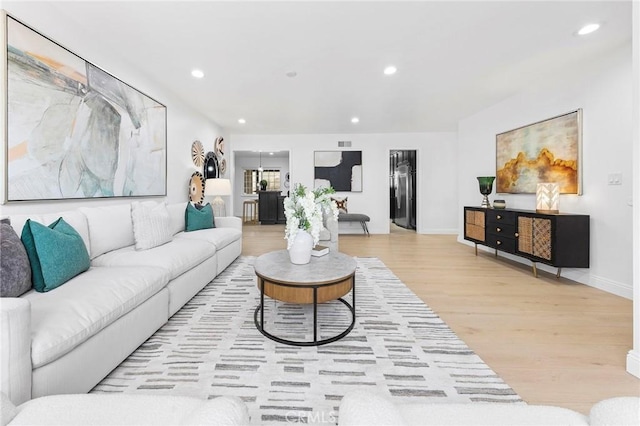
(614, 179)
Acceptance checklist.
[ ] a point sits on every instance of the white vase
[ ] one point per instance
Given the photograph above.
(300, 251)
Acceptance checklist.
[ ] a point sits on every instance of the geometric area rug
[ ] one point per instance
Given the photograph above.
(398, 346)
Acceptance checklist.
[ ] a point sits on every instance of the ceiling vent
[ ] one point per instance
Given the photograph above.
(344, 144)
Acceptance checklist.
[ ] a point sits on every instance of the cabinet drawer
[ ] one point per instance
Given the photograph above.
(501, 229)
(501, 216)
(502, 243)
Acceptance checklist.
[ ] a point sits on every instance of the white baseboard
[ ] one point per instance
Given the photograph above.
(633, 363)
(613, 287)
(438, 231)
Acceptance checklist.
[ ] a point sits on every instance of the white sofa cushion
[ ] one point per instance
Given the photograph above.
(73, 217)
(219, 237)
(366, 407)
(489, 414)
(131, 409)
(177, 256)
(110, 228)
(151, 225)
(619, 411)
(67, 316)
(176, 214)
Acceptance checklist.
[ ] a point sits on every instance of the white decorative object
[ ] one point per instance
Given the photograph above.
(303, 210)
(218, 187)
(151, 225)
(300, 249)
(547, 197)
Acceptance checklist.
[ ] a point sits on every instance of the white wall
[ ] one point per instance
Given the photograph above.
(436, 164)
(243, 163)
(633, 358)
(184, 125)
(604, 94)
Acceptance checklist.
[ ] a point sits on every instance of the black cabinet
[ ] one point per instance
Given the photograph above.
(559, 240)
(271, 207)
(501, 230)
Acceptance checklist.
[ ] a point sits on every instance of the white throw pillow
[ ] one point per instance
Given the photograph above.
(151, 225)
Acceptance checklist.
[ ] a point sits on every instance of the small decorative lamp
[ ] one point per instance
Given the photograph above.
(486, 186)
(218, 187)
(547, 197)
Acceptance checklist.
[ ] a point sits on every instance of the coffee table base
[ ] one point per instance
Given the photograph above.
(260, 323)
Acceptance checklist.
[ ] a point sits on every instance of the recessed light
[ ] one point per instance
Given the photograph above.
(271, 153)
(241, 120)
(197, 73)
(355, 120)
(390, 70)
(588, 29)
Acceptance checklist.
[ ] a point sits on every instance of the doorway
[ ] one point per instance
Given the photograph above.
(251, 168)
(403, 199)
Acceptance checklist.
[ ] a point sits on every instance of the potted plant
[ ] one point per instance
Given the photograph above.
(303, 210)
(263, 185)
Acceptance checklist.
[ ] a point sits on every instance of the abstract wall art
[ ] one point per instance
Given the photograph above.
(548, 151)
(74, 130)
(340, 169)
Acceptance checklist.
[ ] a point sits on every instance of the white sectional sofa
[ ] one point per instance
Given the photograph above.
(124, 409)
(68, 339)
(369, 408)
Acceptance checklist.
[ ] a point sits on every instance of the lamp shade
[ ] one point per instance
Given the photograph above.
(217, 186)
(547, 197)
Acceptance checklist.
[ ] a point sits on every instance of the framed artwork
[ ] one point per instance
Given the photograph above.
(340, 169)
(75, 131)
(548, 151)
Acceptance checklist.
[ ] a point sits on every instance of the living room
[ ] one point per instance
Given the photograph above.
(450, 158)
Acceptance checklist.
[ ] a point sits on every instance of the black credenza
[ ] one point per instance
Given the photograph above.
(271, 207)
(560, 240)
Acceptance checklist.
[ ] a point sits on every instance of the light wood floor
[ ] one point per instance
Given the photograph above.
(553, 341)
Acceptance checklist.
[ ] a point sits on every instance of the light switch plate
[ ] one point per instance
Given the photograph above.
(614, 179)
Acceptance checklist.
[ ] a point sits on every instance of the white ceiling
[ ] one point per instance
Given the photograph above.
(453, 58)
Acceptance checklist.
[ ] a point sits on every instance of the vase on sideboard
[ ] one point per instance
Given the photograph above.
(486, 186)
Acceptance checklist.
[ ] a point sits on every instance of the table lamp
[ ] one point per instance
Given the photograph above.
(547, 197)
(217, 187)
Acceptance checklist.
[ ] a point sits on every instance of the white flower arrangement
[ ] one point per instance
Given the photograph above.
(303, 210)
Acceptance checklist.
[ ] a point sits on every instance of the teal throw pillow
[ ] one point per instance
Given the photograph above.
(195, 219)
(56, 252)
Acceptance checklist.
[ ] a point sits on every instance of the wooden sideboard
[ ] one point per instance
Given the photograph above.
(560, 240)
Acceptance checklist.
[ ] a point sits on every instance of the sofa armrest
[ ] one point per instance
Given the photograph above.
(15, 349)
(229, 222)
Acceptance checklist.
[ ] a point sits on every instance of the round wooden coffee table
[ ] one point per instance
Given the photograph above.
(325, 278)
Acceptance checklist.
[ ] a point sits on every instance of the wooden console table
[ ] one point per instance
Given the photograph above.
(560, 240)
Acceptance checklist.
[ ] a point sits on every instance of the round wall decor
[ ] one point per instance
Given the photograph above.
(196, 188)
(218, 146)
(197, 153)
(210, 166)
(223, 166)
